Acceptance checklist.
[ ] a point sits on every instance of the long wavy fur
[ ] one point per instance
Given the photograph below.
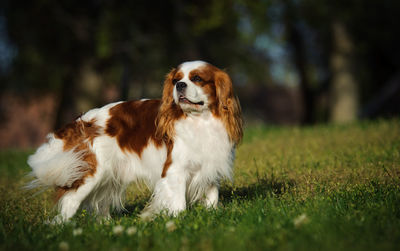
(229, 107)
(169, 111)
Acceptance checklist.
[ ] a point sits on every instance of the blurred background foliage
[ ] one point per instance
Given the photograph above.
(292, 61)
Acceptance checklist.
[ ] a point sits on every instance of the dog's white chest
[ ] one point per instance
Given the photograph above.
(201, 140)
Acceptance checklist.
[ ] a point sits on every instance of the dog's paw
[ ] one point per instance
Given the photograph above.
(104, 219)
(147, 215)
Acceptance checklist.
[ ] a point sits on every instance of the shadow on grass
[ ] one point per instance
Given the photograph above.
(263, 188)
(134, 208)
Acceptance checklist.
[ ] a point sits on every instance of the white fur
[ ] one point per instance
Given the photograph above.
(202, 155)
(187, 67)
(53, 166)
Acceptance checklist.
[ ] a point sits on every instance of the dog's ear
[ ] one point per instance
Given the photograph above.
(167, 98)
(169, 111)
(229, 106)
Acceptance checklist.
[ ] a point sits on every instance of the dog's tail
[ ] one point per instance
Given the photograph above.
(52, 166)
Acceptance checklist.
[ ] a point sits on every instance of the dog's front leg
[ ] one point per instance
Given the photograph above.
(169, 194)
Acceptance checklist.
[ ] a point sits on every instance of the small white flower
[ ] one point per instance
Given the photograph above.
(117, 230)
(170, 226)
(300, 220)
(63, 246)
(77, 231)
(131, 230)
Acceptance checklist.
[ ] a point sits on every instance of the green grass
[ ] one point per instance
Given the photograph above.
(316, 188)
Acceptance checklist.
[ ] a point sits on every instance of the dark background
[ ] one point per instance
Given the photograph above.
(293, 62)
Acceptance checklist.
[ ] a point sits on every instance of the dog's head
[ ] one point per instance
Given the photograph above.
(197, 87)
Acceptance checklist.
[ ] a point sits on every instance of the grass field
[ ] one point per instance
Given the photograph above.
(316, 188)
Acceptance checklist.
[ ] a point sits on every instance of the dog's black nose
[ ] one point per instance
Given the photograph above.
(180, 86)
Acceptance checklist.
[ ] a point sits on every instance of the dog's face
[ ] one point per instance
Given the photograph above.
(194, 86)
(198, 86)
(189, 81)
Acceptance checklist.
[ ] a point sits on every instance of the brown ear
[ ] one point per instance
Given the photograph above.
(168, 112)
(229, 107)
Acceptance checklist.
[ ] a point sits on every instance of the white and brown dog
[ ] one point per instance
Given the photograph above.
(180, 146)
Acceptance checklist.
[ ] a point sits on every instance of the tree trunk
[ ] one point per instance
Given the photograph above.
(79, 94)
(344, 95)
(295, 40)
(66, 109)
(90, 88)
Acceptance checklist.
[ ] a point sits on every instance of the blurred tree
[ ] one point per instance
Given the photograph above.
(76, 48)
(358, 49)
(79, 49)
(344, 88)
(291, 19)
(54, 41)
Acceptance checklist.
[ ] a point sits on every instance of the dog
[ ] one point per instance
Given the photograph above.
(181, 147)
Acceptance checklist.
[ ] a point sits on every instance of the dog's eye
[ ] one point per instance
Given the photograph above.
(196, 79)
(174, 81)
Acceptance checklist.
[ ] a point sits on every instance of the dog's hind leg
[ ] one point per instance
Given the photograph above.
(106, 195)
(70, 202)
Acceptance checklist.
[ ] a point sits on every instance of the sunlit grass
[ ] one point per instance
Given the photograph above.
(317, 188)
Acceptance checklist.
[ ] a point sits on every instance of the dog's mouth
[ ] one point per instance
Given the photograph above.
(183, 99)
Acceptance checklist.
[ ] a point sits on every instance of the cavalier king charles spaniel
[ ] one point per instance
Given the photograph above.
(181, 146)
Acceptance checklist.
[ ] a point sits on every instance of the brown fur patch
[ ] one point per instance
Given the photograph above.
(176, 75)
(133, 123)
(229, 109)
(77, 135)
